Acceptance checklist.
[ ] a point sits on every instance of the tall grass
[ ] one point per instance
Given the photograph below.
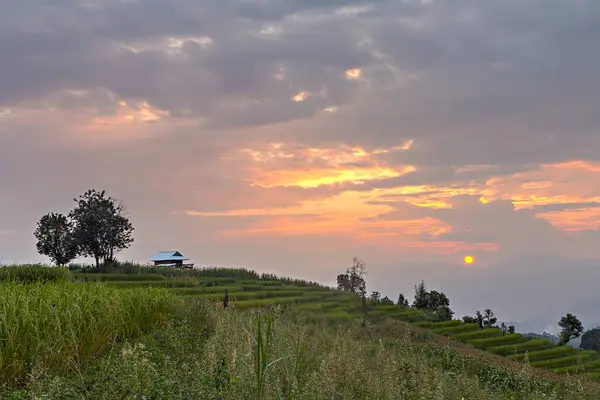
(286, 355)
(58, 326)
(33, 273)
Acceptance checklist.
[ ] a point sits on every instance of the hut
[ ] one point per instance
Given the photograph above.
(173, 259)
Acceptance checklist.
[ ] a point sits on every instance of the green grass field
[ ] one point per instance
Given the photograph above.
(54, 330)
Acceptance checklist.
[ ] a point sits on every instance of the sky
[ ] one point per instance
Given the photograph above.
(290, 136)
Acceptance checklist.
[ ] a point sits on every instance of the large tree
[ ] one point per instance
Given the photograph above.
(55, 238)
(101, 228)
(571, 328)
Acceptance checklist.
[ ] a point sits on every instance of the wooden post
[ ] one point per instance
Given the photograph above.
(226, 300)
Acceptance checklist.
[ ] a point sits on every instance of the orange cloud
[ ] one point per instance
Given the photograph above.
(321, 166)
(361, 215)
(554, 184)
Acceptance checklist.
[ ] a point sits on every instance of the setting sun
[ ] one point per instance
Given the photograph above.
(469, 260)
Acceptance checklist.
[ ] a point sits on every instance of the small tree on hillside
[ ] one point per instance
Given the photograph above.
(488, 318)
(100, 227)
(387, 301)
(421, 299)
(571, 328)
(353, 280)
(503, 328)
(375, 297)
(511, 329)
(55, 238)
(402, 301)
(467, 319)
(479, 319)
(436, 302)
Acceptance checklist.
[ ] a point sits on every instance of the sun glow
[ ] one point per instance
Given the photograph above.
(469, 260)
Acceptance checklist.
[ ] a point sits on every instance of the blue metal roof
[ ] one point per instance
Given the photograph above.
(168, 256)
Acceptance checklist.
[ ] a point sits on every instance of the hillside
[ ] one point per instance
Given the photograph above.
(280, 338)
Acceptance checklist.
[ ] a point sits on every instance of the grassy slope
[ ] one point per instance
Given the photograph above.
(209, 353)
(249, 293)
(345, 357)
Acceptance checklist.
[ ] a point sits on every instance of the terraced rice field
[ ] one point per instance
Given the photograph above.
(249, 293)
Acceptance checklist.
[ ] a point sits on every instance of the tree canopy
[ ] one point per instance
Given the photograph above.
(100, 226)
(353, 280)
(55, 238)
(571, 328)
(97, 227)
(436, 302)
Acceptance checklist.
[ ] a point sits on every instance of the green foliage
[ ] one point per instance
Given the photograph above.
(33, 273)
(55, 239)
(59, 326)
(534, 344)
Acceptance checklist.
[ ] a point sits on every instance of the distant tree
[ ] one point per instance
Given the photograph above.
(444, 313)
(55, 238)
(571, 328)
(503, 328)
(387, 301)
(436, 302)
(590, 340)
(511, 329)
(421, 299)
(343, 282)
(100, 227)
(467, 319)
(375, 297)
(402, 301)
(353, 280)
(489, 320)
(479, 319)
